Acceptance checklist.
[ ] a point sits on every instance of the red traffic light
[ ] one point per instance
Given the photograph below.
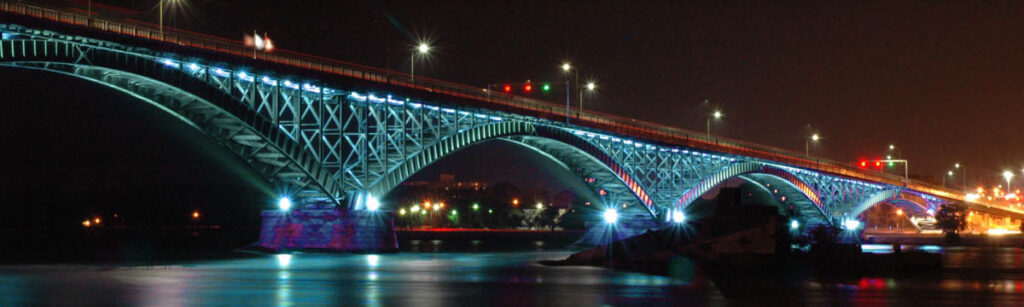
(528, 87)
(863, 163)
(508, 88)
(878, 163)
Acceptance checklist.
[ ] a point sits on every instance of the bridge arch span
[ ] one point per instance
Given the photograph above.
(576, 154)
(897, 197)
(801, 194)
(212, 112)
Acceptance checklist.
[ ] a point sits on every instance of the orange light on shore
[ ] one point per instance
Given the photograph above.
(899, 212)
(195, 215)
(86, 223)
(96, 221)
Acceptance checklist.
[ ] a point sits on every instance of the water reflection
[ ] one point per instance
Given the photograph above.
(497, 278)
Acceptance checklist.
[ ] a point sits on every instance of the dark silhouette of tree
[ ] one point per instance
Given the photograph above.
(952, 218)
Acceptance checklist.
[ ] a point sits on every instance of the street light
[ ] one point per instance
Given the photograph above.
(611, 216)
(1007, 175)
(948, 173)
(566, 68)
(716, 115)
(422, 48)
(807, 143)
(284, 203)
(963, 173)
(161, 14)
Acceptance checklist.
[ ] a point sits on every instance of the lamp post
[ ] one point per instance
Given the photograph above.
(423, 49)
(807, 143)
(567, 68)
(1008, 175)
(591, 86)
(963, 173)
(161, 5)
(716, 115)
(906, 166)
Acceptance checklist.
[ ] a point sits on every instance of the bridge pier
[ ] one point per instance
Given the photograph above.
(330, 229)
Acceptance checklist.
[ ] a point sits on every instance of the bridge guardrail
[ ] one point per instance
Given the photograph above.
(592, 119)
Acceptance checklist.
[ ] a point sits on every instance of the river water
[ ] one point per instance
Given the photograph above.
(433, 277)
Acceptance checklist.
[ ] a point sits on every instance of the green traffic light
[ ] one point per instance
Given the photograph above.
(891, 164)
(546, 87)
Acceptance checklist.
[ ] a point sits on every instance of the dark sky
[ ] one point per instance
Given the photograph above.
(940, 79)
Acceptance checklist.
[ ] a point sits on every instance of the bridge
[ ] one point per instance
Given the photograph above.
(330, 132)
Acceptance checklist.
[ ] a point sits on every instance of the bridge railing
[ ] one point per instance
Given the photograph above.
(608, 122)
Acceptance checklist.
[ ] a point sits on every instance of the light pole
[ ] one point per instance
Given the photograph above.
(716, 115)
(906, 166)
(423, 49)
(807, 144)
(1008, 175)
(566, 68)
(591, 86)
(963, 173)
(950, 174)
(161, 15)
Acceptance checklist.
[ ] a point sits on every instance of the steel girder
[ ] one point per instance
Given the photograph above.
(325, 141)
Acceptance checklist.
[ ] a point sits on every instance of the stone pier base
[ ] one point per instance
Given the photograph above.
(329, 229)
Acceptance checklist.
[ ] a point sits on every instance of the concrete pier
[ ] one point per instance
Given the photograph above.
(329, 229)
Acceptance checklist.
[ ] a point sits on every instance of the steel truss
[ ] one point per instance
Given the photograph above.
(323, 142)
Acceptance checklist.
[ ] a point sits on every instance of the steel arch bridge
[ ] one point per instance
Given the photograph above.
(332, 140)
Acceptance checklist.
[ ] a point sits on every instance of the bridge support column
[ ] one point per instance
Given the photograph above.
(329, 229)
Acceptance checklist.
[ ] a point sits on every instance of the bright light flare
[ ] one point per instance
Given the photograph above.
(794, 224)
(591, 86)
(284, 260)
(284, 204)
(566, 67)
(423, 48)
(851, 224)
(611, 216)
(718, 114)
(678, 216)
(372, 203)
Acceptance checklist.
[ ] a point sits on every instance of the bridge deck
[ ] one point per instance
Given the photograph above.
(171, 39)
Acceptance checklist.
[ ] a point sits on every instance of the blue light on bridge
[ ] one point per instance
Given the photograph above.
(851, 224)
(246, 77)
(284, 260)
(269, 81)
(415, 105)
(315, 89)
(193, 67)
(446, 110)
(794, 224)
(169, 63)
(395, 101)
(611, 216)
(5, 36)
(356, 96)
(284, 203)
(221, 72)
(495, 118)
(372, 203)
(291, 85)
(678, 216)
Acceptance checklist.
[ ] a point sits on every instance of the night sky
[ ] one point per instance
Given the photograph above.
(939, 79)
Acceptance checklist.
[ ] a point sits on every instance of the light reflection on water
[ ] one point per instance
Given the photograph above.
(444, 279)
